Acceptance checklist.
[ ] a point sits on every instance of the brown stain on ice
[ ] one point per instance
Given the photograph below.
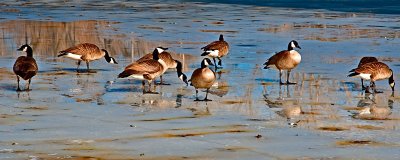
(346, 143)
(193, 134)
(218, 31)
(6, 73)
(217, 23)
(234, 149)
(166, 119)
(40, 108)
(233, 101)
(369, 127)
(84, 100)
(332, 128)
(150, 27)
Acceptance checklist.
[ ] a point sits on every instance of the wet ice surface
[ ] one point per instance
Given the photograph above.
(70, 115)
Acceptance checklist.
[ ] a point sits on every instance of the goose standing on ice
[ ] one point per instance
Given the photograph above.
(86, 52)
(285, 60)
(25, 66)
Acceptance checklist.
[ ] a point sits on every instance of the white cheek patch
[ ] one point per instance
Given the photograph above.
(112, 61)
(292, 44)
(181, 77)
(73, 56)
(25, 49)
(213, 53)
(206, 63)
(160, 50)
(365, 76)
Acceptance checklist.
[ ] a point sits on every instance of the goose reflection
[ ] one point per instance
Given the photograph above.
(371, 110)
(288, 107)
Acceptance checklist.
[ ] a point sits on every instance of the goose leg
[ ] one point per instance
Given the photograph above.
(18, 89)
(87, 66)
(287, 78)
(369, 87)
(197, 98)
(149, 91)
(205, 99)
(162, 82)
(215, 65)
(375, 91)
(362, 84)
(77, 68)
(280, 77)
(29, 83)
(143, 87)
(219, 61)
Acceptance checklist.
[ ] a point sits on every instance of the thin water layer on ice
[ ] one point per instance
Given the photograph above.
(70, 115)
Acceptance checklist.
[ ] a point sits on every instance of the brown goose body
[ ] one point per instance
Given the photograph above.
(144, 70)
(86, 52)
(363, 61)
(203, 78)
(285, 60)
(366, 60)
(165, 56)
(149, 69)
(374, 71)
(25, 66)
(167, 62)
(216, 49)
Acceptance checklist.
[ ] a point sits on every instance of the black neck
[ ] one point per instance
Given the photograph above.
(203, 65)
(221, 37)
(178, 67)
(391, 79)
(107, 56)
(289, 48)
(29, 52)
(155, 54)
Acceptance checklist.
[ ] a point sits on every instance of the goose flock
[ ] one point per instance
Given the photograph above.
(155, 64)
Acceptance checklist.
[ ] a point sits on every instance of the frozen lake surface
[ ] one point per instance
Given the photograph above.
(70, 115)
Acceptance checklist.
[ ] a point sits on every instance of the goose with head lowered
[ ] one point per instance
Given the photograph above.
(86, 52)
(374, 71)
(363, 61)
(148, 70)
(169, 63)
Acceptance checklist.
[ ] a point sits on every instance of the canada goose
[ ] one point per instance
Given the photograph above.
(86, 52)
(149, 69)
(169, 63)
(374, 71)
(363, 61)
(25, 66)
(216, 49)
(203, 77)
(285, 60)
